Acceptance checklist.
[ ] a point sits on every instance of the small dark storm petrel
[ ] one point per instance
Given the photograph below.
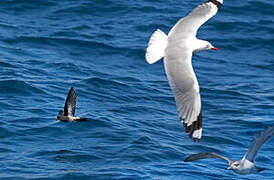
(67, 115)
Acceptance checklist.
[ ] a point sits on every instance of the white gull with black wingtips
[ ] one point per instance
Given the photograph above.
(177, 49)
(246, 164)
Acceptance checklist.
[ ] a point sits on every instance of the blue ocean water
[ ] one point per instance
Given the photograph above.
(133, 132)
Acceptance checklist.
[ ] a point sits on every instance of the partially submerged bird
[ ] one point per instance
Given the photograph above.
(67, 115)
(177, 49)
(246, 164)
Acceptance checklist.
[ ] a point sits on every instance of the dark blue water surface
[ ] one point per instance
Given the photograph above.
(98, 47)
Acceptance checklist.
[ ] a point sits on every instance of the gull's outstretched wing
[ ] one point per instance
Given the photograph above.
(184, 85)
(257, 143)
(205, 156)
(189, 25)
(69, 109)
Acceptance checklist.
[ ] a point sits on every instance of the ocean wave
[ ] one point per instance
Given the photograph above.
(7, 65)
(7, 87)
(134, 132)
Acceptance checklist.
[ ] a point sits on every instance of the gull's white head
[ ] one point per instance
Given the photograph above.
(202, 45)
(210, 46)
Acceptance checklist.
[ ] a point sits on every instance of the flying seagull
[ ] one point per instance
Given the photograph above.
(177, 48)
(67, 115)
(246, 164)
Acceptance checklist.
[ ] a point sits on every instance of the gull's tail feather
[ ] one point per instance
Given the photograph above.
(156, 46)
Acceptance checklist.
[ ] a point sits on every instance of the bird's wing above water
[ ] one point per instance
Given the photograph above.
(257, 143)
(184, 85)
(189, 25)
(69, 109)
(206, 156)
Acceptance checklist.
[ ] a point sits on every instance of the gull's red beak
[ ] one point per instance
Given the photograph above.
(215, 49)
